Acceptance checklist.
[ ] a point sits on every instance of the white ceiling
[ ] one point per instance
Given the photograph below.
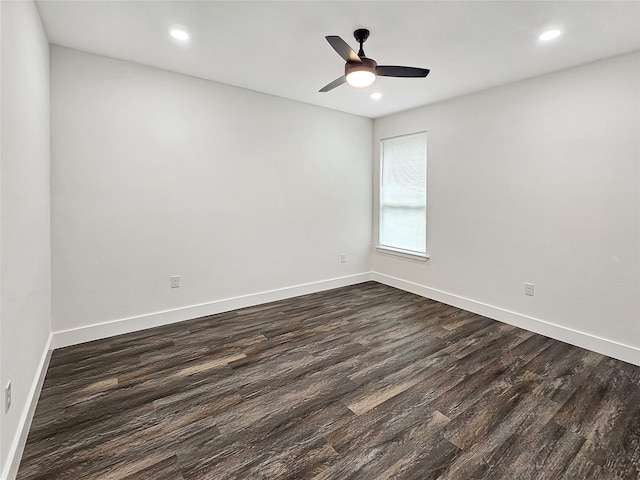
(279, 47)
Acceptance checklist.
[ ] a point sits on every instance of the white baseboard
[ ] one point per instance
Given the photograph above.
(610, 348)
(98, 331)
(20, 438)
(112, 328)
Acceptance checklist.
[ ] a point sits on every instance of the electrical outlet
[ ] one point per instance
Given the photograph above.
(343, 258)
(175, 281)
(7, 398)
(528, 289)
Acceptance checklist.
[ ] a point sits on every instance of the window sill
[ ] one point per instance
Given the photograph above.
(419, 257)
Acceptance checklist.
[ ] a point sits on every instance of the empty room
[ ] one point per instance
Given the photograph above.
(319, 240)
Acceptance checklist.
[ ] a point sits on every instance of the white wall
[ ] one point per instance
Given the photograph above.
(157, 174)
(535, 182)
(25, 246)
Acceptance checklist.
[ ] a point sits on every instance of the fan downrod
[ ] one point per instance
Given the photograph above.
(361, 36)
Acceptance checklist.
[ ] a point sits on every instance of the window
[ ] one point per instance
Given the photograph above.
(403, 194)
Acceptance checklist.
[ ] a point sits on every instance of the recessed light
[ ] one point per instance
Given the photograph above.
(376, 96)
(549, 35)
(179, 34)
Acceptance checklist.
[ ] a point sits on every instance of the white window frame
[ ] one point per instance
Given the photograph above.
(388, 249)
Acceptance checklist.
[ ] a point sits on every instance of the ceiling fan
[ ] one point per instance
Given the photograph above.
(360, 71)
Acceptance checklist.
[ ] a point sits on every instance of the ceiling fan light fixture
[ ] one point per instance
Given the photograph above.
(361, 71)
(361, 76)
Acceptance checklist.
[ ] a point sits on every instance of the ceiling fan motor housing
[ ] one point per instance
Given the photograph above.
(367, 65)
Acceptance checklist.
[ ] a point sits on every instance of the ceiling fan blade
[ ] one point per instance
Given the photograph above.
(336, 83)
(394, 71)
(343, 49)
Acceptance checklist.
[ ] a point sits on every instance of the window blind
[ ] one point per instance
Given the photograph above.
(403, 193)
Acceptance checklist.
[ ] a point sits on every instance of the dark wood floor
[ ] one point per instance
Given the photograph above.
(364, 382)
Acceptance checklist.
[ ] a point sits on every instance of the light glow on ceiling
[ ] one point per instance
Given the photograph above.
(179, 34)
(376, 96)
(549, 35)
